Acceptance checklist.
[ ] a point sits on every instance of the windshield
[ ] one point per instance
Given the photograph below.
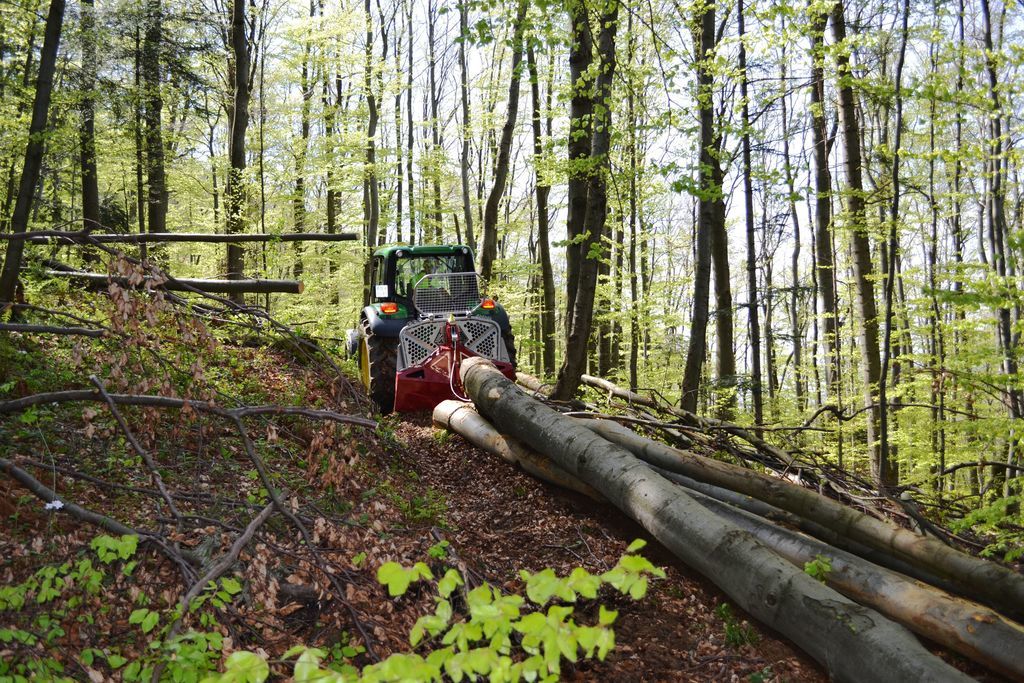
(411, 269)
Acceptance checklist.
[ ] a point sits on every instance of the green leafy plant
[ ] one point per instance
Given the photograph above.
(737, 633)
(819, 568)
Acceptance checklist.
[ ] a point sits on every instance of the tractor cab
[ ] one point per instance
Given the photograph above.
(426, 314)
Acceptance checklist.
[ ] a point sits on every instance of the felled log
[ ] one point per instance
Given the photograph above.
(853, 642)
(788, 520)
(963, 626)
(979, 579)
(463, 419)
(186, 284)
(65, 237)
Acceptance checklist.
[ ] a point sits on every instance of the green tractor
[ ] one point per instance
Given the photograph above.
(426, 315)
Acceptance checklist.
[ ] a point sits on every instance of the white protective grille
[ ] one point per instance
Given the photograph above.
(482, 336)
(442, 293)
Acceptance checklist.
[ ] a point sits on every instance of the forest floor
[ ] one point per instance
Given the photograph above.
(366, 497)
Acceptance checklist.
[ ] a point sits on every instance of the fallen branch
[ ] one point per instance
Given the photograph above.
(855, 643)
(44, 493)
(142, 452)
(51, 329)
(72, 395)
(185, 284)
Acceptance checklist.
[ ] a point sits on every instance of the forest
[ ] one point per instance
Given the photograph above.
(781, 234)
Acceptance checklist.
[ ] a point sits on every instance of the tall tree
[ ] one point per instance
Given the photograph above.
(543, 189)
(371, 198)
(748, 212)
(863, 268)
(709, 197)
(153, 105)
(575, 359)
(87, 135)
(581, 107)
(33, 151)
(235, 195)
(467, 207)
(489, 250)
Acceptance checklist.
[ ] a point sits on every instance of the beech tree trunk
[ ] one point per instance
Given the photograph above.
(463, 419)
(581, 108)
(965, 627)
(464, 161)
(853, 642)
(371, 200)
(547, 276)
(882, 470)
(87, 135)
(979, 579)
(33, 151)
(709, 195)
(235, 189)
(489, 249)
(578, 342)
(153, 105)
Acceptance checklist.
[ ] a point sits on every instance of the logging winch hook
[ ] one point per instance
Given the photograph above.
(453, 366)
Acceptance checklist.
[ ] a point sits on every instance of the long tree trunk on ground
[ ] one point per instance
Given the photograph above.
(581, 107)
(854, 642)
(863, 268)
(823, 206)
(578, 342)
(467, 207)
(371, 199)
(748, 207)
(979, 579)
(235, 195)
(489, 237)
(547, 313)
(87, 135)
(33, 151)
(153, 105)
(710, 194)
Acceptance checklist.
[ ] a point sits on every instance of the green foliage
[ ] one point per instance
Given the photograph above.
(500, 637)
(737, 633)
(819, 568)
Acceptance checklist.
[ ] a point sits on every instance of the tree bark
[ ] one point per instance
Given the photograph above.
(464, 161)
(489, 248)
(581, 109)
(853, 642)
(153, 105)
(463, 419)
(235, 195)
(825, 266)
(547, 313)
(33, 151)
(882, 470)
(709, 194)
(371, 200)
(578, 342)
(748, 207)
(87, 135)
(979, 579)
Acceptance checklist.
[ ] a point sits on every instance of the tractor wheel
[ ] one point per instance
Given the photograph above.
(510, 346)
(377, 357)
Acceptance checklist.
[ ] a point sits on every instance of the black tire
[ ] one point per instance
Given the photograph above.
(510, 346)
(379, 355)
